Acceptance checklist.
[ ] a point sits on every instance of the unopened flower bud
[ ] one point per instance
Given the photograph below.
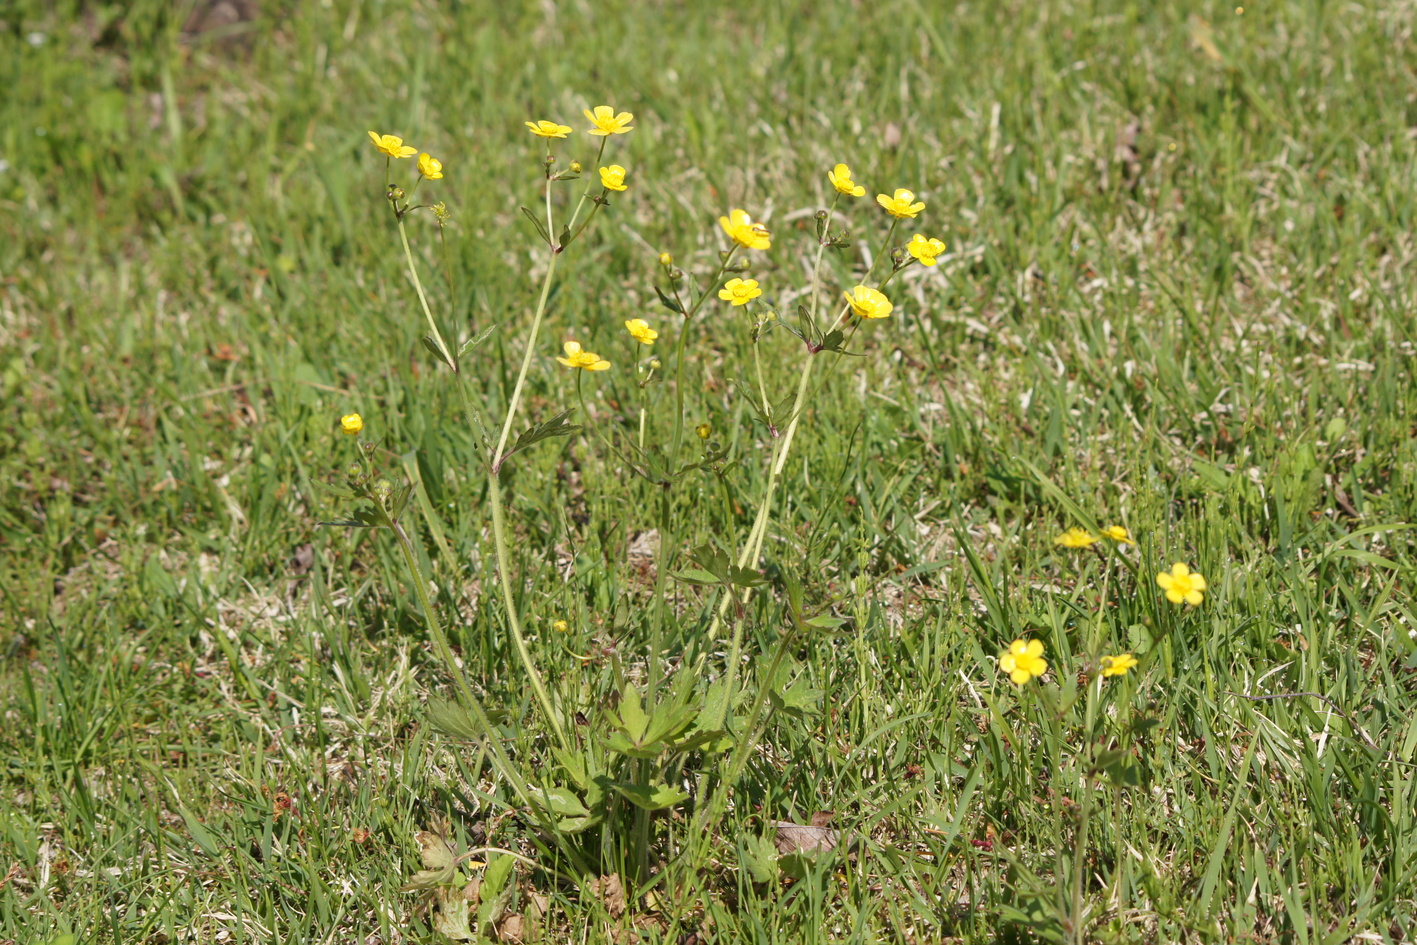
(897, 257)
(383, 488)
(821, 215)
(353, 471)
(740, 265)
(665, 259)
(703, 430)
(654, 364)
(396, 193)
(575, 167)
(676, 274)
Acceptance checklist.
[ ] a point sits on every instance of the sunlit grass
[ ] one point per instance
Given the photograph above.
(1175, 296)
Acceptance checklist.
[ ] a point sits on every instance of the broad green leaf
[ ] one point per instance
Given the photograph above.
(651, 797)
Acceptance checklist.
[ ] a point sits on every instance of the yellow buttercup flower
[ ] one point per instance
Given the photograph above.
(613, 177)
(606, 122)
(1118, 534)
(868, 303)
(743, 231)
(903, 204)
(1118, 665)
(1023, 660)
(430, 167)
(1182, 585)
(585, 360)
(351, 424)
(1076, 538)
(840, 176)
(925, 250)
(548, 129)
(739, 291)
(639, 329)
(392, 145)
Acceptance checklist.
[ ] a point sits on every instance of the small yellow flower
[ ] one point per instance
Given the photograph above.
(1076, 538)
(351, 424)
(1118, 534)
(548, 129)
(739, 291)
(742, 230)
(613, 177)
(585, 360)
(665, 259)
(1118, 665)
(392, 145)
(840, 176)
(1182, 585)
(903, 204)
(868, 303)
(1023, 660)
(430, 167)
(925, 250)
(560, 626)
(639, 329)
(703, 430)
(606, 122)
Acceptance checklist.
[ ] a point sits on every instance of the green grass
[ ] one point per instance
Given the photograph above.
(1201, 327)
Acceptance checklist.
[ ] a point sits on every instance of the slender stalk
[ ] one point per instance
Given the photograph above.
(445, 651)
(423, 299)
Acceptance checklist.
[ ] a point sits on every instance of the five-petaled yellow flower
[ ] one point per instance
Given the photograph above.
(868, 303)
(1118, 665)
(925, 250)
(613, 177)
(1118, 534)
(743, 231)
(639, 329)
(392, 145)
(607, 122)
(840, 176)
(586, 360)
(903, 204)
(739, 291)
(1182, 585)
(1023, 660)
(430, 167)
(1076, 538)
(548, 129)
(351, 424)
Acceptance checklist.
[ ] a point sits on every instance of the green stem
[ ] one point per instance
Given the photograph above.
(423, 299)
(445, 651)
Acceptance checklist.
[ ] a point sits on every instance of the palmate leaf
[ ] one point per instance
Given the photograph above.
(556, 426)
(363, 518)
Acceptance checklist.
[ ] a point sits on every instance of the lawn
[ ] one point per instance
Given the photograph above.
(723, 654)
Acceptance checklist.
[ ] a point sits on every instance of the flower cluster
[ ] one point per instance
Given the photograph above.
(1082, 538)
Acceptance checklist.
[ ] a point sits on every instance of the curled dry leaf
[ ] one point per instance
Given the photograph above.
(611, 892)
(804, 838)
